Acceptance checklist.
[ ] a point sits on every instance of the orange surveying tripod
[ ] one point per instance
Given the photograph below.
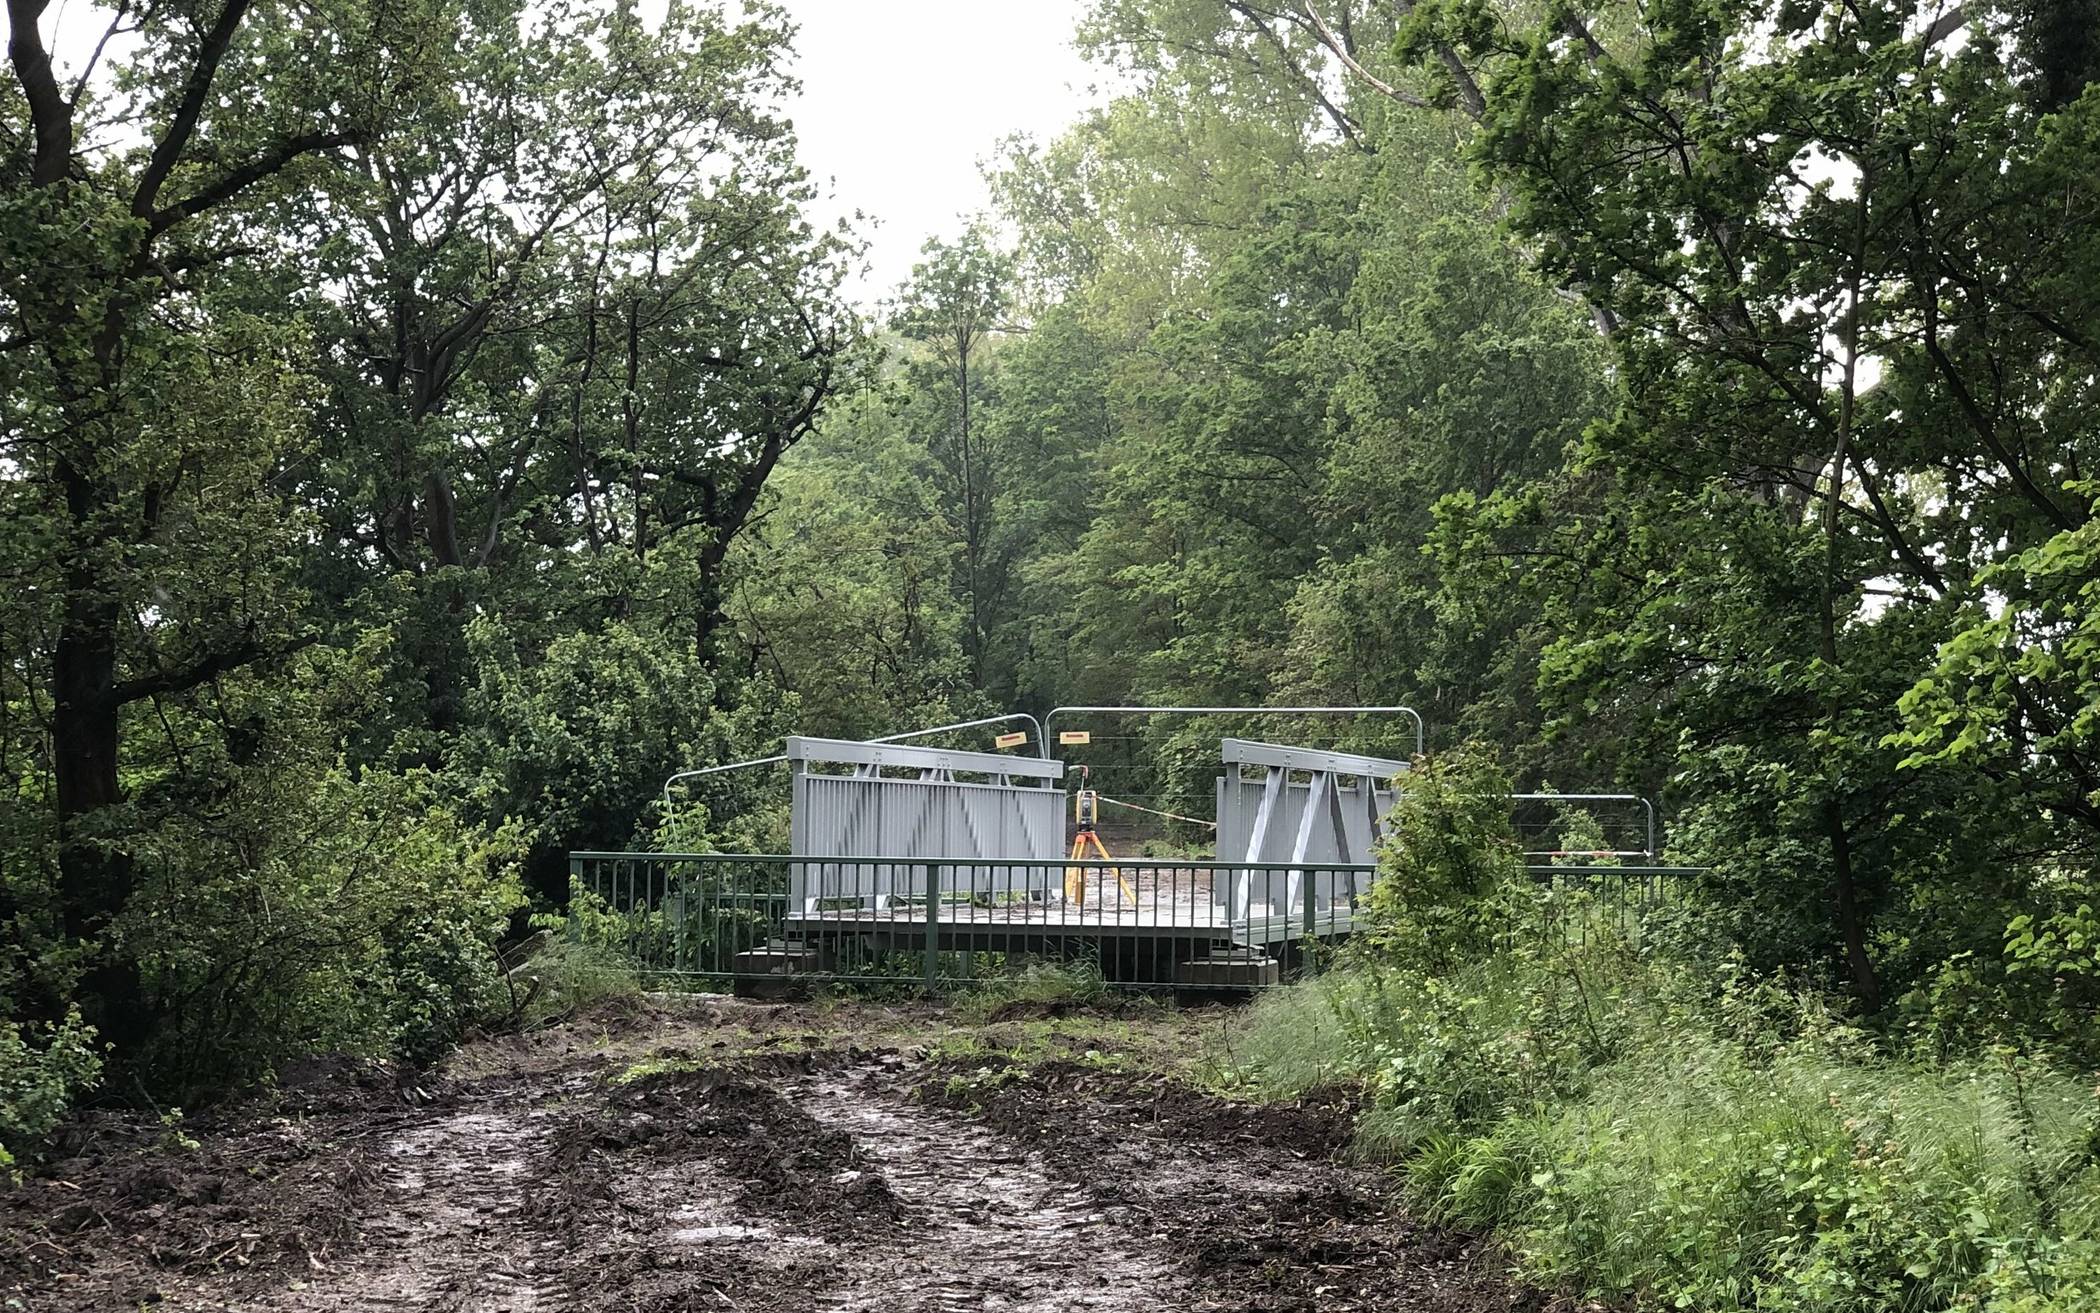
(1086, 809)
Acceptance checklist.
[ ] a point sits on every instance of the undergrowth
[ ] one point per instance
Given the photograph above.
(566, 975)
(42, 1068)
(1639, 1126)
(1700, 1165)
(1046, 985)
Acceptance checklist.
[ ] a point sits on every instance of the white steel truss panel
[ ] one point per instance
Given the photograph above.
(1015, 814)
(1265, 816)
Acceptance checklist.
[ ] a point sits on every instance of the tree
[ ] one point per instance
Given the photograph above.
(582, 311)
(844, 595)
(145, 471)
(1840, 341)
(330, 331)
(953, 306)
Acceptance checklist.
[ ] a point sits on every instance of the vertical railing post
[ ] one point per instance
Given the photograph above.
(1305, 885)
(933, 927)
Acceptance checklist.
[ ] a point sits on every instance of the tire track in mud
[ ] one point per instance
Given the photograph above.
(826, 1179)
(1257, 1201)
(999, 1231)
(451, 1228)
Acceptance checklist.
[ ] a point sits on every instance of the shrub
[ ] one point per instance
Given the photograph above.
(42, 1070)
(359, 915)
(1739, 1150)
(1647, 1124)
(1450, 865)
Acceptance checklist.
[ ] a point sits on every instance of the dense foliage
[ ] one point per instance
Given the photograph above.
(1570, 1067)
(385, 391)
(425, 428)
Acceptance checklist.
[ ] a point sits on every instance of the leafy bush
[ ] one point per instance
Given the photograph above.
(1450, 866)
(2059, 955)
(574, 742)
(359, 915)
(42, 1069)
(1684, 1132)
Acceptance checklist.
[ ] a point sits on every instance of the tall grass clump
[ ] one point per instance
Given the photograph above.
(1047, 986)
(567, 975)
(1640, 1125)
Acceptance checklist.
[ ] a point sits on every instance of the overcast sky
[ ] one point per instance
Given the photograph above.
(902, 98)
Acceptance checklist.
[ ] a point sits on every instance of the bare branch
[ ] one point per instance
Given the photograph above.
(1344, 122)
(1947, 24)
(1340, 50)
(87, 70)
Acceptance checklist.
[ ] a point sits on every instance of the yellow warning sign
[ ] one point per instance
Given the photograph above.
(1074, 736)
(1013, 740)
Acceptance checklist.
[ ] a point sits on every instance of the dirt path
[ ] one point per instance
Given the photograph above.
(760, 1160)
(1004, 1233)
(446, 1226)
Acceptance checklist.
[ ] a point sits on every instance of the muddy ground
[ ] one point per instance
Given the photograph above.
(715, 1155)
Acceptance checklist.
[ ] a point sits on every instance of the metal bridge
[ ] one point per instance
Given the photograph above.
(915, 866)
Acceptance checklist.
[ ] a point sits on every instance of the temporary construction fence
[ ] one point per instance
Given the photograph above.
(1155, 767)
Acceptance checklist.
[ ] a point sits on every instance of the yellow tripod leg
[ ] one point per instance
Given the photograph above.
(1129, 893)
(1075, 876)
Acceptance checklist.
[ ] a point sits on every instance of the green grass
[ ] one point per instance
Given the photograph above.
(1695, 1176)
(654, 1066)
(566, 975)
(1042, 985)
(1629, 1144)
(1294, 1040)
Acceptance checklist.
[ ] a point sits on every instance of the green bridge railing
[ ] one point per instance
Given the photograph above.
(766, 920)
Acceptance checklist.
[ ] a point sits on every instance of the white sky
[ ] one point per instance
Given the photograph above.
(900, 101)
(902, 98)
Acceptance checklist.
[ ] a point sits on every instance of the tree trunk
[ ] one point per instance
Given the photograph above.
(708, 615)
(1865, 985)
(1851, 919)
(972, 529)
(441, 520)
(94, 883)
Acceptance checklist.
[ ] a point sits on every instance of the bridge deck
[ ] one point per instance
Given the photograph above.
(1159, 904)
(961, 924)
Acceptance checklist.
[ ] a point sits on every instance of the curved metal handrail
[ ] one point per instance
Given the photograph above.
(1042, 746)
(1409, 712)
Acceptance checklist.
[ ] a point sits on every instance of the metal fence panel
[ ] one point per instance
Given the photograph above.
(1136, 924)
